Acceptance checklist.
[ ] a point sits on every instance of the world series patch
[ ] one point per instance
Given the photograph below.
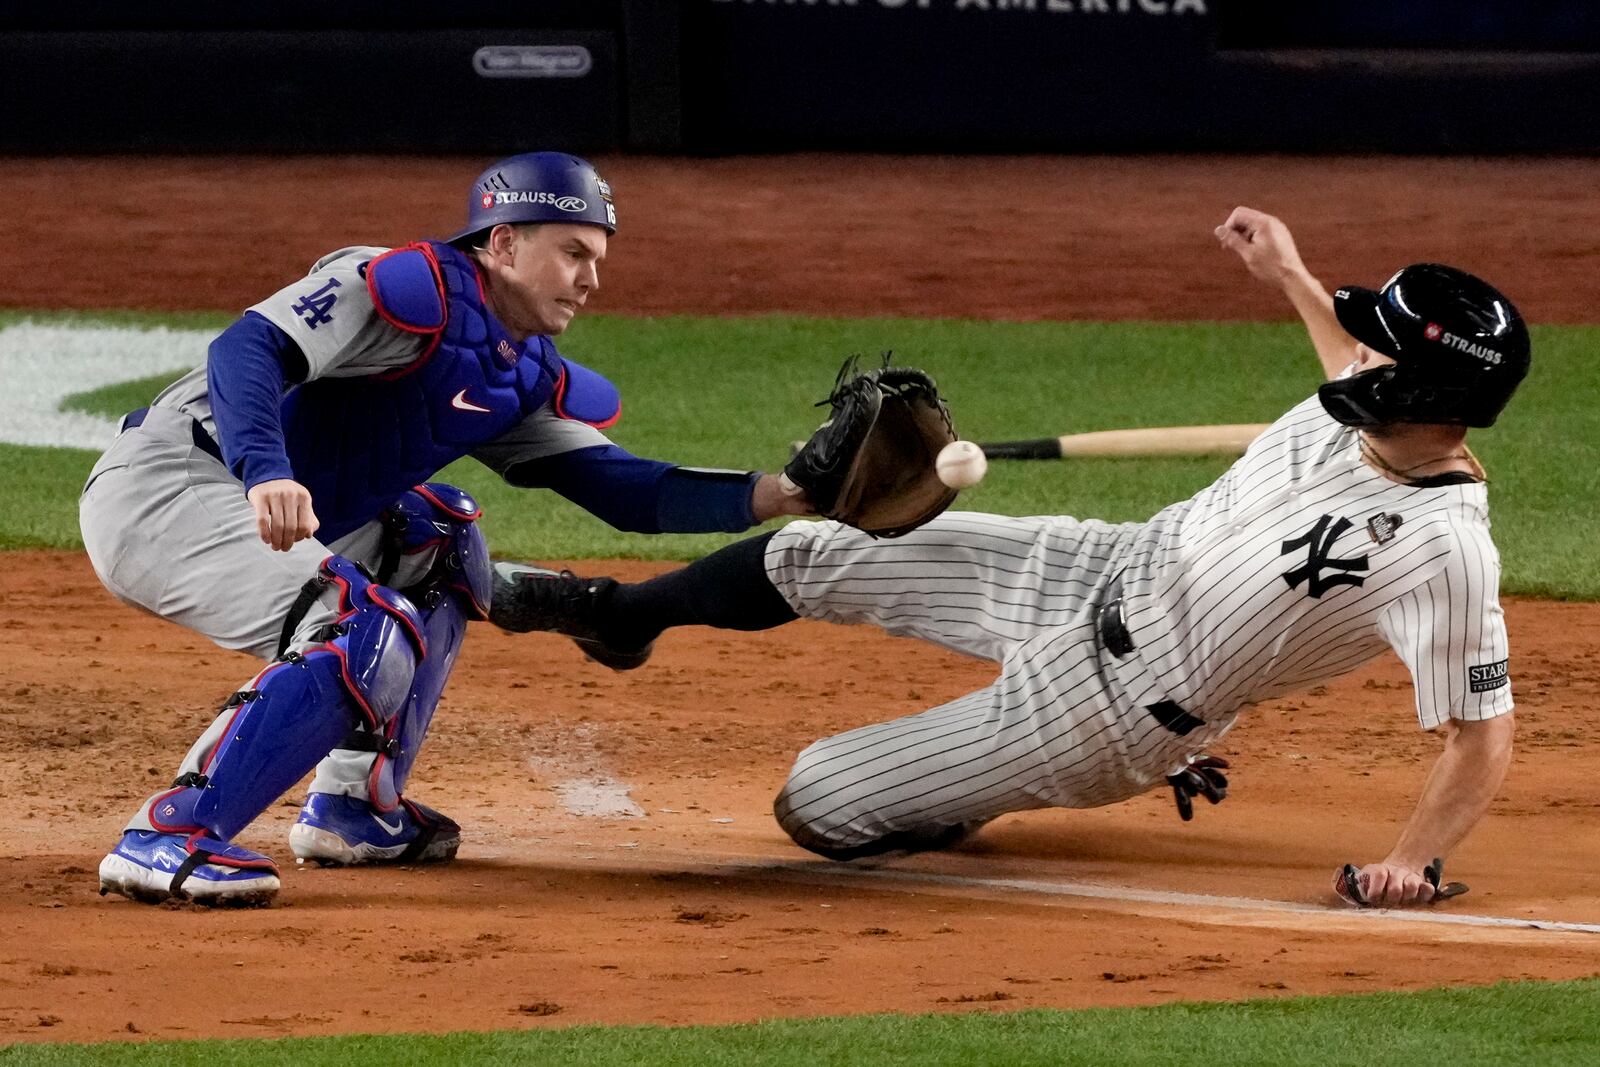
(1487, 677)
(1381, 527)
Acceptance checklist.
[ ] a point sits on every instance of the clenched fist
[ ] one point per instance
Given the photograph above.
(283, 512)
(1263, 242)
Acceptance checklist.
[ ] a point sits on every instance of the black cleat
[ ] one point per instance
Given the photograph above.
(526, 599)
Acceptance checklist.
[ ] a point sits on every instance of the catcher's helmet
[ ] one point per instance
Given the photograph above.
(1460, 349)
(538, 187)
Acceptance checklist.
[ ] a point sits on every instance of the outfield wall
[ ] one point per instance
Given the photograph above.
(719, 76)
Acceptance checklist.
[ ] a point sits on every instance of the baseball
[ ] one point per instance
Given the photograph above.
(961, 464)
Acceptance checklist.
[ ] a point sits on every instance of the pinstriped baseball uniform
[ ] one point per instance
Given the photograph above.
(1124, 649)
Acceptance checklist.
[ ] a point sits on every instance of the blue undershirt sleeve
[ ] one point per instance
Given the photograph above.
(643, 495)
(247, 368)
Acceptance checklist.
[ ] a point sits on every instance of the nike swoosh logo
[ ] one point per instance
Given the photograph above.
(461, 403)
(392, 831)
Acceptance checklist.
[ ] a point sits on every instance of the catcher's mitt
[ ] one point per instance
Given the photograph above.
(871, 465)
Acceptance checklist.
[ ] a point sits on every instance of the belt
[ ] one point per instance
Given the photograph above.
(1109, 621)
(202, 440)
(1113, 629)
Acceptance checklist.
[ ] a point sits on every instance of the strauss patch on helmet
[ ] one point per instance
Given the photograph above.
(573, 204)
(1461, 344)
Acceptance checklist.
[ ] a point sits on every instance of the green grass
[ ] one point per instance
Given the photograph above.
(1503, 1025)
(734, 392)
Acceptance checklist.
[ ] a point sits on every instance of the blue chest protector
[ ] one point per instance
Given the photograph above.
(358, 443)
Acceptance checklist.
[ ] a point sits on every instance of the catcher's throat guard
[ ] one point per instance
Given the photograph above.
(871, 465)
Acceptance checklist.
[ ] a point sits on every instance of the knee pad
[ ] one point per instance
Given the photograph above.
(439, 518)
(295, 711)
(444, 628)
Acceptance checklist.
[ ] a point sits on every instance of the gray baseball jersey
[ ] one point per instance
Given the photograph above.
(1297, 565)
(168, 528)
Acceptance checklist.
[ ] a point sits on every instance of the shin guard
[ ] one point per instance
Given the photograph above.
(451, 589)
(298, 708)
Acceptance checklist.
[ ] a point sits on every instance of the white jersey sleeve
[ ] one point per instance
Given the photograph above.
(540, 435)
(1451, 633)
(330, 315)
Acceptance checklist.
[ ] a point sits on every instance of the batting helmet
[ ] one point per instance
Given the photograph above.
(1459, 346)
(538, 187)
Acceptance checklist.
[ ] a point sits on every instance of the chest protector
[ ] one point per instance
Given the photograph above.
(358, 443)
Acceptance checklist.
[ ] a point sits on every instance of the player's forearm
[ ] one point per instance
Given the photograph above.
(1459, 788)
(246, 371)
(1314, 304)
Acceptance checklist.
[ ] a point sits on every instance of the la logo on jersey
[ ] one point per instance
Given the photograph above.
(1318, 543)
(316, 307)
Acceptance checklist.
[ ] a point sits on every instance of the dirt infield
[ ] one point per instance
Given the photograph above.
(572, 905)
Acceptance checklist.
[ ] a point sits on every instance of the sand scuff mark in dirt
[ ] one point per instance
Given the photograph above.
(582, 785)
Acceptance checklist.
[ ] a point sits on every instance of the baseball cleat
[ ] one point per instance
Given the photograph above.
(151, 867)
(532, 598)
(343, 831)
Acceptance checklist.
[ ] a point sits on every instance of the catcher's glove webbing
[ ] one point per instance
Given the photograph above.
(871, 465)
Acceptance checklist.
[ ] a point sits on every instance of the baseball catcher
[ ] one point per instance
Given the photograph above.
(279, 500)
(871, 465)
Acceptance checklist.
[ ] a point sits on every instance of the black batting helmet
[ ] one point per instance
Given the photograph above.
(1459, 346)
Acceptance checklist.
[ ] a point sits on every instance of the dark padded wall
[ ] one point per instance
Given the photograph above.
(271, 75)
(712, 76)
(1142, 75)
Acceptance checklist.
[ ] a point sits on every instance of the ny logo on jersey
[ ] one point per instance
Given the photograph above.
(1318, 543)
(316, 308)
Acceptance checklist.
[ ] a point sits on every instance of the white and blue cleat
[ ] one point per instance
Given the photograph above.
(342, 831)
(152, 867)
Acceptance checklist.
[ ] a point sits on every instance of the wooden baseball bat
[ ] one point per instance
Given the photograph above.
(1146, 441)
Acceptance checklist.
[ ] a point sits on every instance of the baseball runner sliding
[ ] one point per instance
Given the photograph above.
(1357, 522)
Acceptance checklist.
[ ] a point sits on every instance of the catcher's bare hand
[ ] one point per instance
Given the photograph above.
(1394, 885)
(283, 512)
(1202, 777)
(772, 497)
(1263, 242)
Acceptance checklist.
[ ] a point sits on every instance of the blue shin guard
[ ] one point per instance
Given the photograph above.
(444, 627)
(293, 712)
(442, 519)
